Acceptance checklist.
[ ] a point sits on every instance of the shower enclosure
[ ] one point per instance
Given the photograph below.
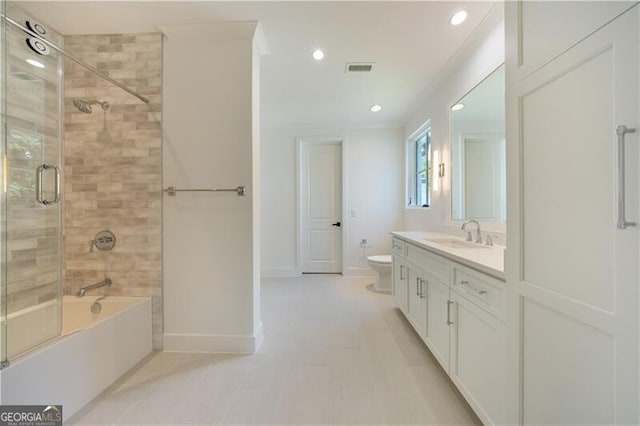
(31, 134)
(30, 208)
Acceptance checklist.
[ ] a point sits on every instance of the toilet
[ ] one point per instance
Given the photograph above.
(382, 266)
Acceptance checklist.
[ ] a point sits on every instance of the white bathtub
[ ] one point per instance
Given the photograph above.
(93, 351)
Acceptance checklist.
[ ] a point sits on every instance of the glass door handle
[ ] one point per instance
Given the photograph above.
(56, 188)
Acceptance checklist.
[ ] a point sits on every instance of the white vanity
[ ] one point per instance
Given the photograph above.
(453, 293)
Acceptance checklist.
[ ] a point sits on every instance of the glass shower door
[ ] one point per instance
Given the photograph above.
(33, 213)
(3, 193)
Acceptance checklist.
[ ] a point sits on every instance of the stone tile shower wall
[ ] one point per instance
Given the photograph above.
(112, 177)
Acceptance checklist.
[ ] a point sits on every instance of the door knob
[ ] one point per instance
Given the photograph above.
(337, 224)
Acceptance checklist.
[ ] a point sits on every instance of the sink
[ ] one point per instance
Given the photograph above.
(456, 244)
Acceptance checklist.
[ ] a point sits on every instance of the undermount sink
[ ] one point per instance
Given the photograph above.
(456, 244)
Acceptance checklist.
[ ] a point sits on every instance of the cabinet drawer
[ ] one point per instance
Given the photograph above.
(430, 263)
(489, 293)
(398, 247)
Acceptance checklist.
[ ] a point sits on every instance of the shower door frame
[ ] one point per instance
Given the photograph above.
(3, 193)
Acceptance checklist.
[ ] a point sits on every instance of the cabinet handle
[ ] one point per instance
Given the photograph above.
(449, 303)
(472, 288)
(418, 287)
(622, 223)
(401, 270)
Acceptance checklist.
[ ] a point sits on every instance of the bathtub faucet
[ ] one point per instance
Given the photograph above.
(106, 282)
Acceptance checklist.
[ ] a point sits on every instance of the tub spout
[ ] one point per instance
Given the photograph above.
(106, 282)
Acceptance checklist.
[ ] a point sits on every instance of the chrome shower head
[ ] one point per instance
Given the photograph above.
(85, 106)
(82, 106)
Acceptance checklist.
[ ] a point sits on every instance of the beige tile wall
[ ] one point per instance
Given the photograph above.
(115, 185)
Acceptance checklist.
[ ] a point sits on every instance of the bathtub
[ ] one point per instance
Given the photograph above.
(93, 351)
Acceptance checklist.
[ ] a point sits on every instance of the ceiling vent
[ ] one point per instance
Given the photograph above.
(358, 67)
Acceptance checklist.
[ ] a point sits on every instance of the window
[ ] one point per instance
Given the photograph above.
(419, 150)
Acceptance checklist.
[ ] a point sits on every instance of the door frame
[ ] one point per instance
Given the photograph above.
(319, 140)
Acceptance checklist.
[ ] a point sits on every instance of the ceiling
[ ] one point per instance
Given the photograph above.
(409, 42)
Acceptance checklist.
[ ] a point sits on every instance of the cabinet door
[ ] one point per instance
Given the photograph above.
(548, 28)
(400, 283)
(417, 302)
(478, 356)
(437, 337)
(572, 307)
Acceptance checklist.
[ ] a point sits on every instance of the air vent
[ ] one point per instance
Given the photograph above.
(358, 67)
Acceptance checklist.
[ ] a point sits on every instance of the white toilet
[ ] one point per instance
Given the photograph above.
(382, 266)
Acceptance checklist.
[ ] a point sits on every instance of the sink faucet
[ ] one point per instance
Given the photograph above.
(478, 235)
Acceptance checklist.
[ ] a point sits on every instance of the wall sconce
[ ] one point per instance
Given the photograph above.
(436, 170)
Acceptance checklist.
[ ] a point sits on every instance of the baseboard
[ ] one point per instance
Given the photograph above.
(211, 343)
(358, 272)
(279, 273)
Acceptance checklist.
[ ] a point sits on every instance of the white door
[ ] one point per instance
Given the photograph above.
(483, 179)
(321, 207)
(572, 274)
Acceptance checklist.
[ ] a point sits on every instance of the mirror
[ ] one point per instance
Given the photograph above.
(478, 163)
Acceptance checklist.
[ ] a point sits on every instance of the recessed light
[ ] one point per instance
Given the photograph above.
(376, 108)
(318, 54)
(35, 63)
(458, 18)
(457, 107)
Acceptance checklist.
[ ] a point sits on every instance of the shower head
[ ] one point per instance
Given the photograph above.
(82, 106)
(85, 106)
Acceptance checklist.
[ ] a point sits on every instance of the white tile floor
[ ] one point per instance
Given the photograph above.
(334, 353)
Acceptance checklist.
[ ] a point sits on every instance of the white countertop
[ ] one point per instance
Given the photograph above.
(489, 260)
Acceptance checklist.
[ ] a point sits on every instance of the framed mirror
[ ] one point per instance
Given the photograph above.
(478, 163)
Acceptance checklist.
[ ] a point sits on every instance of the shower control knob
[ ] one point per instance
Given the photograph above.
(105, 240)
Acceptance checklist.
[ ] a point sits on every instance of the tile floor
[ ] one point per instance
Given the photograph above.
(334, 353)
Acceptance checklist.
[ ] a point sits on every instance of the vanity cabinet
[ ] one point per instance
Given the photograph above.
(437, 336)
(459, 314)
(478, 344)
(399, 280)
(399, 283)
(417, 312)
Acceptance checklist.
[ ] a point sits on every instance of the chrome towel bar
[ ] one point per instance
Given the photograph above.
(172, 190)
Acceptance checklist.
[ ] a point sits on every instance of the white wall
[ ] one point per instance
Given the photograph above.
(482, 53)
(373, 182)
(210, 240)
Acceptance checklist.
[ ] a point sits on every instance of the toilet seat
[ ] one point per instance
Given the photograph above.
(382, 259)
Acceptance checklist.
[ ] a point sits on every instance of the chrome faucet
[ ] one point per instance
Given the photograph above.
(106, 282)
(478, 235)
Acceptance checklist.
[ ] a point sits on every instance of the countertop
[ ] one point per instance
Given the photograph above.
(489, 260)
